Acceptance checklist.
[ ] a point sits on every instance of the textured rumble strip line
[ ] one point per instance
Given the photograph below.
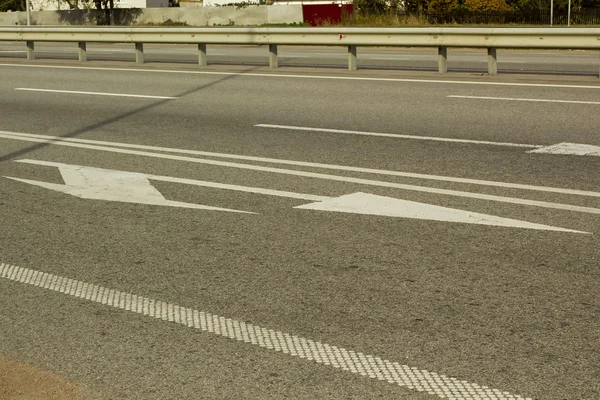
(358, 363)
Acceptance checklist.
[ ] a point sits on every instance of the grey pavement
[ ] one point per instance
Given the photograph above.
(510, 308)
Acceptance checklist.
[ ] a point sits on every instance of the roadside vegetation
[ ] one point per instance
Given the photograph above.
(470, 12)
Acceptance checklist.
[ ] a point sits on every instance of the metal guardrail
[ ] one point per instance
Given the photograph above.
(440, 38)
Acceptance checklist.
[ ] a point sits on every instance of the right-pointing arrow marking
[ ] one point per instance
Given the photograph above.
(131, 187)
(576, 149)
(370, 204)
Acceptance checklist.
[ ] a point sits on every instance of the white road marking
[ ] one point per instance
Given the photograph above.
(393, 135)
(110, 185)
(105, 179)
(247, 189)
(290, 76)
(501, 199)
(526, 100)
(96, 93)
(370, 204)
(570, 149)
(13, 51)
(561, 148)
(131, 187)
(374, 367)
(55, 139)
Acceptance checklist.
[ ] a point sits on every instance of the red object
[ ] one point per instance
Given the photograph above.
(320, 14)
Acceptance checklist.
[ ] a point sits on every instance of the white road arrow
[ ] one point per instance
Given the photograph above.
(370, 204)
(110, 185)
(577, 149)
(131, 187)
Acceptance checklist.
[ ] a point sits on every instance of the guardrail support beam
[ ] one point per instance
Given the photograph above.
(82, 51)
(352, 58)
(30, 50)
(202, 55)
(442, 59)
(139, 53)
(492, 61)
(273, 61)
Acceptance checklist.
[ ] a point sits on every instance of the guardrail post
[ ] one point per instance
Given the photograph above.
(30, 50)
(442, 59)
(273, 62)
(139, 53)
(82, 51)
(202, 55)
(352, 58)
(492, 61)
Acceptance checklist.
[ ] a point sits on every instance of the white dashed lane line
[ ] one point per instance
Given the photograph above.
(359, 363)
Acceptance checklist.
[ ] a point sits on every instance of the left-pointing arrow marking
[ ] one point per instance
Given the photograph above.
(109, 185)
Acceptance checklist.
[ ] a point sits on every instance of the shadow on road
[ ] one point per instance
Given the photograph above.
(109, 121)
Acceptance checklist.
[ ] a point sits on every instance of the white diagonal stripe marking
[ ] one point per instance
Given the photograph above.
(96, 93)
(58, 140)
(337, 178)
(525, 100)
(397, 136)
(375, 367)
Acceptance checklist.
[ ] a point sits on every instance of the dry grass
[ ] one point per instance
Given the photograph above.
(384, 20)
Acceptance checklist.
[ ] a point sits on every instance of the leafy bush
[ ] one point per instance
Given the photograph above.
(487, 6)
(442, 6)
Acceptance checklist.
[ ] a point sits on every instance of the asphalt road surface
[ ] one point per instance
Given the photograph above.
(236, 232)
(569, 62)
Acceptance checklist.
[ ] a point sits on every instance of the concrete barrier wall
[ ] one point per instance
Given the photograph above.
(10, 18)
(194, 16)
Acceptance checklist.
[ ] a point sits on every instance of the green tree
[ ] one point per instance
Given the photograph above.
(487, 6)
(442, 6)
(12, 5)
(416, 6)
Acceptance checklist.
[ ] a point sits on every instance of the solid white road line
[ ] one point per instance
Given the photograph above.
(96, 93)
(374, 367)
(315, 165)
(290, 76)
(526, 100)
(337, 178)
(393, 135)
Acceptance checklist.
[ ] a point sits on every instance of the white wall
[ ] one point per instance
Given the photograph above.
(157, 3)
(210, 3)
(195, 16)
(9, 18)
(130, 3)
(41, 5)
